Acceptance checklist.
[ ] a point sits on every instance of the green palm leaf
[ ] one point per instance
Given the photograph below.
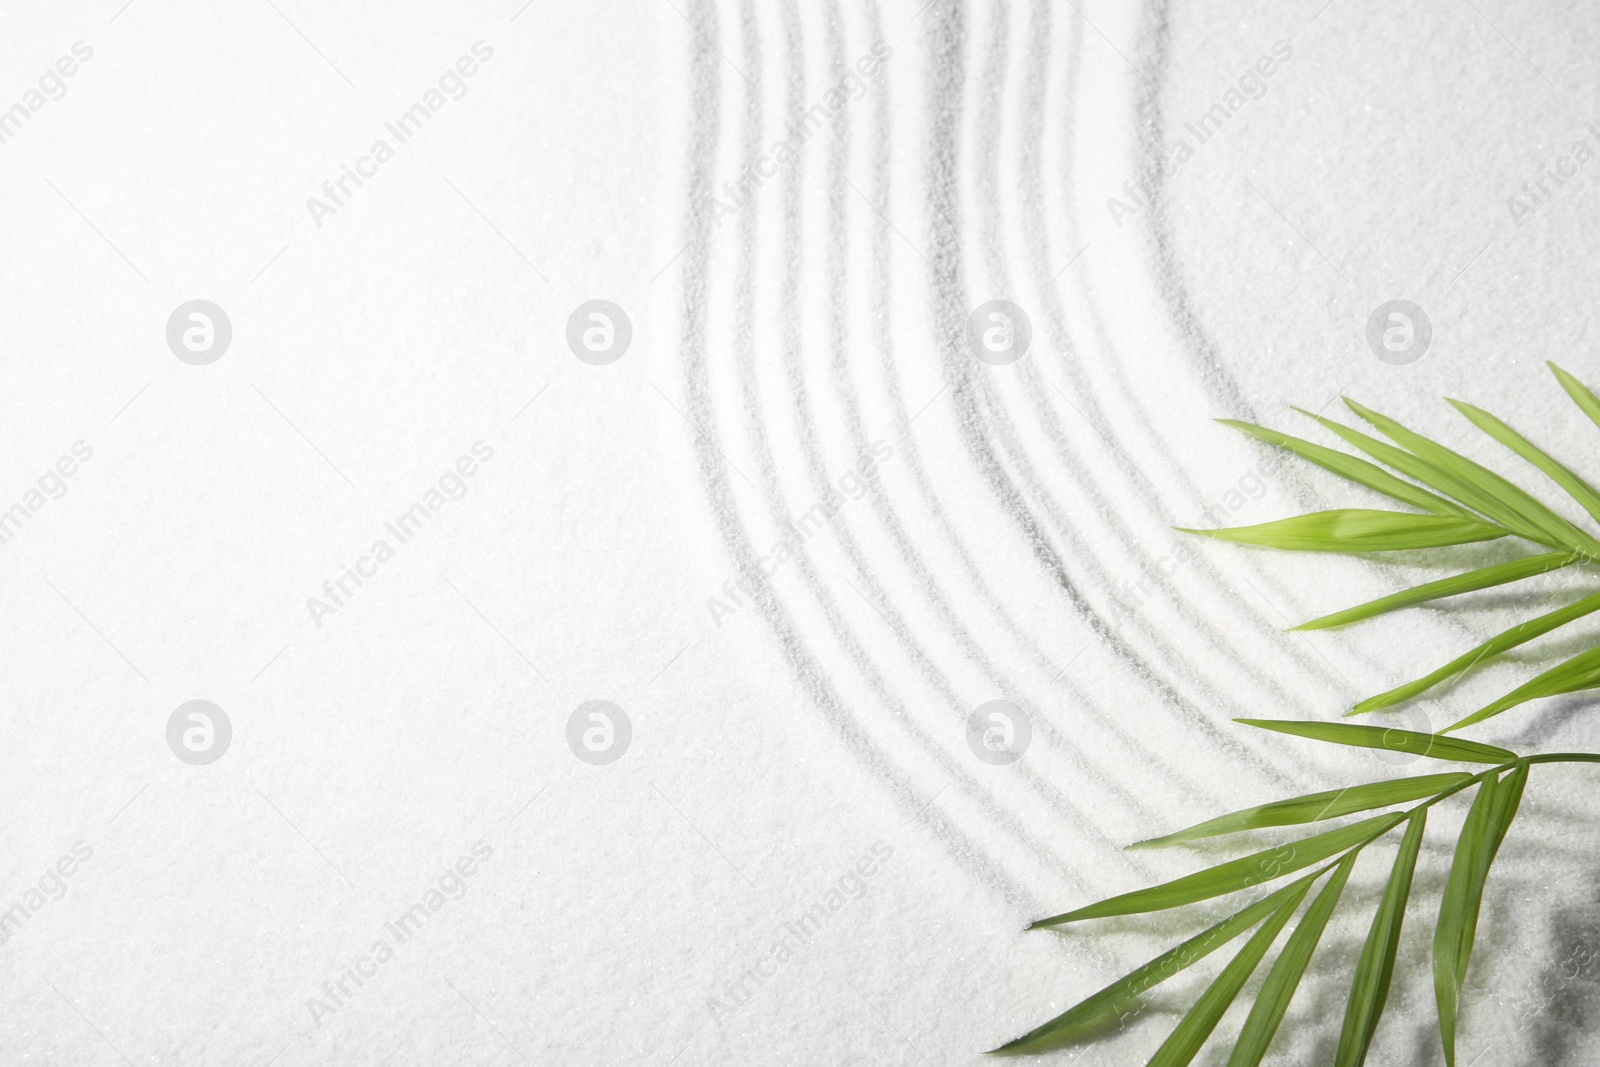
(1481, 488)
(1575, 675)
(1576, 487)
(1501, 642)
(1408, 463)
(1370, 991)
(1434, 746)
(1284, 978)
(1314, 807)
(1186, 1040)
(1158, 970)
(1358, 530)
(1467, 582)
(1234, 875)
(1458, 501)
(1581, 394)
(1354, 468)
(1485, 828)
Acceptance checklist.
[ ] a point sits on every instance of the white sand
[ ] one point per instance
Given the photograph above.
(802, 750)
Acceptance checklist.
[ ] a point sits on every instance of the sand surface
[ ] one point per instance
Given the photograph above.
(420, 511)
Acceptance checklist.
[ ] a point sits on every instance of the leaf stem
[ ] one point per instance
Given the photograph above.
(1563, 757)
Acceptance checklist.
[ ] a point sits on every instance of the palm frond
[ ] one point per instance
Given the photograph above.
(1331, 854)
(1458, 501)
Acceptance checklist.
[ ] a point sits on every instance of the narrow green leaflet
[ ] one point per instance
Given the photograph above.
(1486, 827)
(1430, 475)
(1159, 969)
(1458, 914)
(1358, 530)
(1483, 484)
(1580, 393)
(1506, 802)
(1191, 1033)
(1554, 469)
(1576, 674)
(1370, 991)
(1435, 746)
(1353, 468)
(1501, 642)
(1467, 582)
(1234, 875)
(1284, 978)
(1315, 807)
